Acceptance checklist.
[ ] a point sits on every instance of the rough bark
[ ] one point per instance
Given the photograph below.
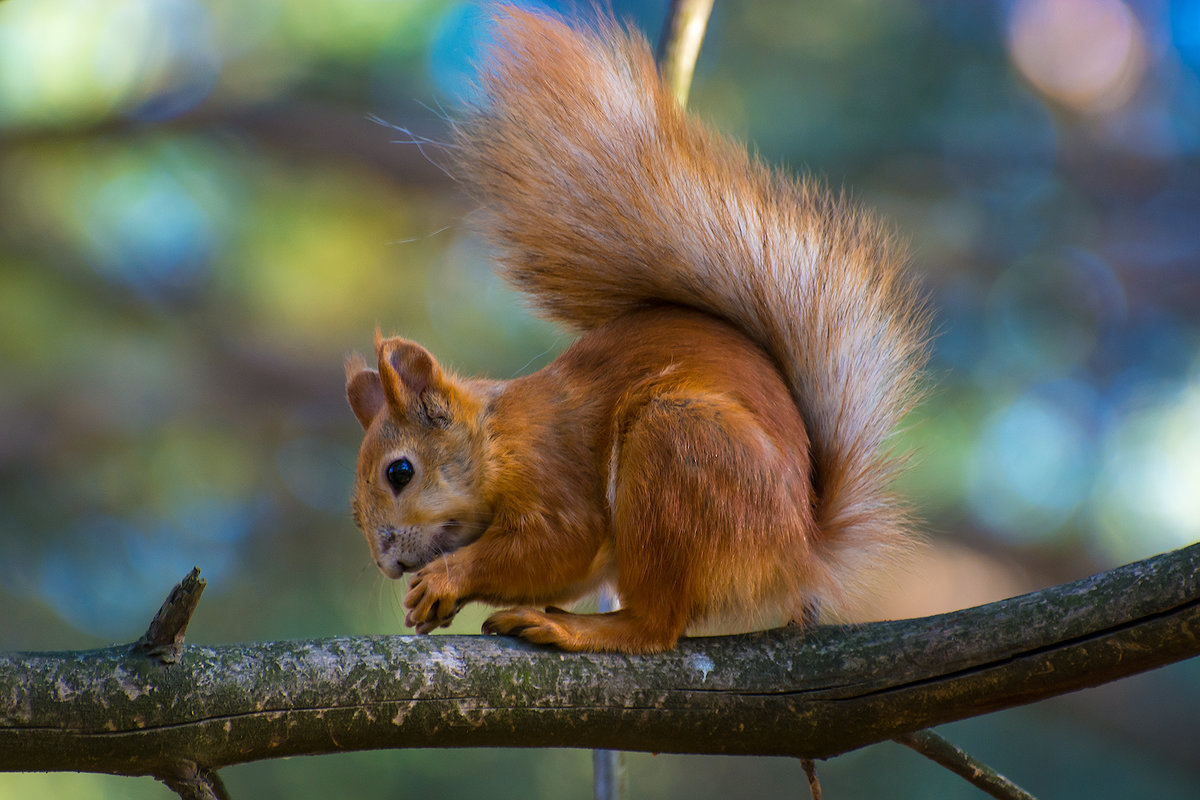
(813, 694)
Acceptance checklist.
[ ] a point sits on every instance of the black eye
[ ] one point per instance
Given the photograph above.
(399, 473)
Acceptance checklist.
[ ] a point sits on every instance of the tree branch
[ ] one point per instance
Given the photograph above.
(937, 749)
(810, 772)
(780, 692)
(192, 782)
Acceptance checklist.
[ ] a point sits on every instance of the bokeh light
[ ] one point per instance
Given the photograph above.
(1088, 55)
(1048, 314)
(76, 61)
(1148, 496)
(1185, 30)
(1032, 464)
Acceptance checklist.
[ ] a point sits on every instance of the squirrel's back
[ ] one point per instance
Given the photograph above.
(603, 196)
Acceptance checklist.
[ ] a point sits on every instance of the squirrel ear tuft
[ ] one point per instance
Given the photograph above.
(412, 381)
(364, 390)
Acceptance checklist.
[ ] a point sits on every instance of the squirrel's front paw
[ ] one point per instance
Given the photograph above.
(432, 599)
(530, 624)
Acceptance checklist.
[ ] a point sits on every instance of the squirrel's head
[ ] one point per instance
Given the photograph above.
(419, 488)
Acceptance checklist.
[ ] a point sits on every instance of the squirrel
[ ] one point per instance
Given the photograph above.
(714, 445)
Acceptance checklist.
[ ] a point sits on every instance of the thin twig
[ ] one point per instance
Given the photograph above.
(193, 782)
(608, 775)
(961, 763)
(810, 772)
(679, 45)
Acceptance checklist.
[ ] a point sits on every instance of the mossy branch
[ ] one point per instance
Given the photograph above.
(811, 694)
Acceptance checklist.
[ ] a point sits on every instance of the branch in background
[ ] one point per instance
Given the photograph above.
(608, 766)
(679, 45)
(812, 695)
(937, 749)
(810, 772)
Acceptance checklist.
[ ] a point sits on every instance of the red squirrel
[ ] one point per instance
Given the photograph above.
(715, 444)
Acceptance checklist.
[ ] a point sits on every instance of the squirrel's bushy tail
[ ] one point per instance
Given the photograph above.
(603, 196)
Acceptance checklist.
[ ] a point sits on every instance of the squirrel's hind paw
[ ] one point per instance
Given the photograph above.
(612, 632)
(530, 624)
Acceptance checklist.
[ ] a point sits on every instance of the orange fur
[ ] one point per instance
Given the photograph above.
(714, 445)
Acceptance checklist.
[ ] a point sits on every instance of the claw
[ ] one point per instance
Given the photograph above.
(432, 600)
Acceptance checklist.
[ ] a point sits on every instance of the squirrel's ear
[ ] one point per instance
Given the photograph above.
(412, 382)
(364, 390)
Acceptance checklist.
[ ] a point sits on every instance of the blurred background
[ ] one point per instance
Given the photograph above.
(205, 204)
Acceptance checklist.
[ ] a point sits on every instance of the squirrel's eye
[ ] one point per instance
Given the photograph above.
(399, 473)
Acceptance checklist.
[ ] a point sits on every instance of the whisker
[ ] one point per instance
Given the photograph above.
(438, 112)
(412, 239)
(416, 140)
